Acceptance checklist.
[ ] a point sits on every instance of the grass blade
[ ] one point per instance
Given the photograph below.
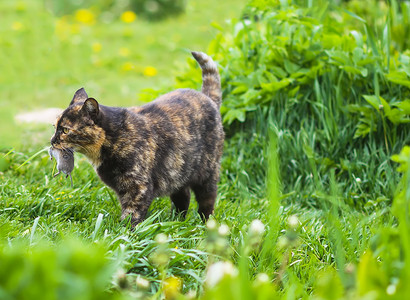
(33, 156)
(33, 229)
(97, 226)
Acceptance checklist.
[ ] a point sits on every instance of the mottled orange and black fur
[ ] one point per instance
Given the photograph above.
(167, 147)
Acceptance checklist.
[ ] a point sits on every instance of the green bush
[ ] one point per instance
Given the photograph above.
(333, 88)
(312, 60)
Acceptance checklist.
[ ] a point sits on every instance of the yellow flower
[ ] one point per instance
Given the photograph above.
(96, 47)
(128, 16)
(172, 286)
(128, 66)
(150, 71)
(124, 52)
(17, 26)
(20, 6)
(85, 16)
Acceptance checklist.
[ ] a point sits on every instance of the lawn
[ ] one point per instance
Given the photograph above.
(313, 200)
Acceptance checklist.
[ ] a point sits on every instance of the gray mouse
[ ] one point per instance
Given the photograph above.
(65, 161)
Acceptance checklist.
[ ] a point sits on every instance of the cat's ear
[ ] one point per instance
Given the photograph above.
(91, 107)
(79, 96)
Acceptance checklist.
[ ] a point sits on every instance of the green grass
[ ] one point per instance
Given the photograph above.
(333, 235)
(334, 207)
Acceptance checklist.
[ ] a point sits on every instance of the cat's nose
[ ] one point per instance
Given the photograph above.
(53, 140)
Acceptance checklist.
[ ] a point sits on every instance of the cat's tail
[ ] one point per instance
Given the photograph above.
(211, 82)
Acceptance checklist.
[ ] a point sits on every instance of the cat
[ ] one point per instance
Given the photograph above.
(167, 147)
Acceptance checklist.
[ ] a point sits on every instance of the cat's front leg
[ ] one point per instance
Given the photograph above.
(135, 204)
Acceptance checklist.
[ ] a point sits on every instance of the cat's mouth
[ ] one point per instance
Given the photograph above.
(65, 150)
(62, 146)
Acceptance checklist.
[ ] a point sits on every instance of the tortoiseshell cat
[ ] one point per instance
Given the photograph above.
(167, 147)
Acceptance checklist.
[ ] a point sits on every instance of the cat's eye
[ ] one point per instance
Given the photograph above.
(66, 130)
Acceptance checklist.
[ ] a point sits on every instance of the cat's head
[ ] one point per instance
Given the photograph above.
(77, 128)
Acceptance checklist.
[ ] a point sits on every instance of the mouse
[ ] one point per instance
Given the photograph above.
(65, 161)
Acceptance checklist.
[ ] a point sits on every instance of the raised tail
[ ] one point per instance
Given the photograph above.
(211, 82)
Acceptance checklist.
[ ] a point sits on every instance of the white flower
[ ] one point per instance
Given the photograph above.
(262, 278)
(293, 221)
(391, 289)
(223, 230)
(142, 283)
(217, 271)
(257, 228)
(283, 242)
(191, 294)
(211, 224)
(161, 238)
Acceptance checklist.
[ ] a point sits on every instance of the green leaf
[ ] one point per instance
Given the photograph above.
(354, 70)
(217, 26)
(275, 86)
(404, 106)
(251, 97)
(402, 158)
(352, 14)
(370, 276)
(373, 101)
(328, 285)
(292, 93)
(397, 116)
(399, 77)
(372, 39)
(378, 103)
(4, 164)
(279, 72)
(240, 89)
(234, 115)
(358, 37)
(362, 130)
(291, 67)
(340, 58)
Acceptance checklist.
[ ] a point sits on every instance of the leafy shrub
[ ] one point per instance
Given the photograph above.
(304, 59)
(328, 84)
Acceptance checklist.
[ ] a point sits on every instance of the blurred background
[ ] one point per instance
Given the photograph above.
(117, 50)
(316, 106)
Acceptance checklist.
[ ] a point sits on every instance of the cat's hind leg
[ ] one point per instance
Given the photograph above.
(205, 195)
(181, 200)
